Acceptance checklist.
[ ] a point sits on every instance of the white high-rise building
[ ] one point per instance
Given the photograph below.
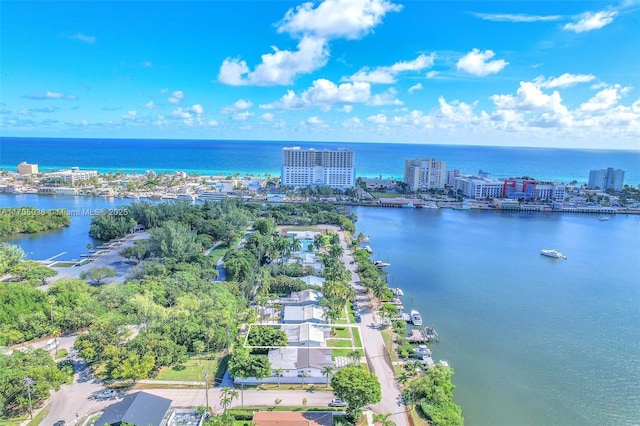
(606, 179)
(311, 167)
(474, 187)
(424, 173)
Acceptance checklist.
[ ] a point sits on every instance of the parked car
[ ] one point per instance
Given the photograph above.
(337, 402)
(357, 317)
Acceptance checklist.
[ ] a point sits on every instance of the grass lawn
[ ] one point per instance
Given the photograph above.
(356, 337)
(340, 352)
(192, 370)
(61, 354)
(417, 418)
(386, 194)
(387, 336)
(333, 343)
(352, 317)
(35, 422)
(340, 332)
(218, 252)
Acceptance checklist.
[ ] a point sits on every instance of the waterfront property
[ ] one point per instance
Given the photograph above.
(310, 167)
(608, 178)
(424, 173)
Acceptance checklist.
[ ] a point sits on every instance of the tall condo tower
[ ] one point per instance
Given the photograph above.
(424, 173)
(310, 167)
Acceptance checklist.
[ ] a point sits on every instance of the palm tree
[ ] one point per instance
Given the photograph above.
(278, 373)
(295, 245)
(355, 356)
(227, 395)
(327, 372)
(318, 241)
(336, 252)
(383, 419)
(303, 374)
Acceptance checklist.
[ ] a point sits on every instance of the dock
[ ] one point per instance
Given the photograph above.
(431, 334)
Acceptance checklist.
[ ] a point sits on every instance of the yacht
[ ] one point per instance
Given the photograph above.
(603, 218)
(397, 291)
(380, 264)
(552, 253)
(416, 318)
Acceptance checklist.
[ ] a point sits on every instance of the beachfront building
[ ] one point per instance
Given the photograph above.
(72, 175)
(475, 187)
(606, 179)
(424, 173)
(531, 189)
(311, 167)
(25, 168)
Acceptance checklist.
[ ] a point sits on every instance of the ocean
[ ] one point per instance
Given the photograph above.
(265, 157)
(533, 340)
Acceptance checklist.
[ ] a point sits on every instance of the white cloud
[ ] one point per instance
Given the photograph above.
(529, 97)
(591, 21)
(346, 108)
(213, 123)
(475, 62)
(414, 119)
(517, 17)
(239, 105)
(130, 115)
(150, 105)
(352, 123)
(323, 93)
(414, 88)
(377, 119)
(387, 74)
(83, 37)
(25, 112)
(456, 111)
(50, 95)
(386, 98)
(432, 74)
(315, 121)
(278, 68)
(164, 90)
(176, 97)
(242, 116)
(565, 80)
(197, 109)
(604, 99)
(180, 113)
(333, 19)
(267, 116)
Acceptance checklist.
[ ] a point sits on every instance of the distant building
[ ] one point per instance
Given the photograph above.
(475, 187)
(311, 167)
(424, 173)
(25, 168)
(606, 179)
(451, 177)
(72, 175)
(530, 189)
(138, 409)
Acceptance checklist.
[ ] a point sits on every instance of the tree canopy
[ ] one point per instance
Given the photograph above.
(357, 387)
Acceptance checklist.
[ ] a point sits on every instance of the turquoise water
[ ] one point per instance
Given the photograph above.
(213, 157)
(533, 340)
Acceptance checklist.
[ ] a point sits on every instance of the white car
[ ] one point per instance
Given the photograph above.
(337, 402)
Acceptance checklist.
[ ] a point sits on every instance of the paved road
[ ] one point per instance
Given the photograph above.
(376, 353)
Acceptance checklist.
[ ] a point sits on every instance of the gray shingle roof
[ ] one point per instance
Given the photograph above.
(140, 409)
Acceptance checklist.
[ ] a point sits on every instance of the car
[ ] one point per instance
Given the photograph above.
(352, 262)
(337, 402)
(59, 423)
(358, 318)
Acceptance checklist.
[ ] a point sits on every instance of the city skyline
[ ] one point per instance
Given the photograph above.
(548, 74)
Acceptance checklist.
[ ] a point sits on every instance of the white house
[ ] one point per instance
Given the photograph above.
(296, 362)
(300, 314)
(306, 334)
(312, 280)
(302, 298)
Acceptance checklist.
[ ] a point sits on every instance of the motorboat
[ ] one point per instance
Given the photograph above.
(416, 318)
(552, 253)
(603, 218)
(397, 291)
(380, 264)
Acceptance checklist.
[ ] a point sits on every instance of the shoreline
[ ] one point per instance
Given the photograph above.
(534, 208)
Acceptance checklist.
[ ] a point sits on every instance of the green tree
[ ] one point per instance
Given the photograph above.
(227, 395)
(383, 419)
(96, 276)
(357, 388)
(327, 372)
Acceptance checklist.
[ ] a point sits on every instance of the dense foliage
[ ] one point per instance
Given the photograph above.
(36, 365)
(433, 393)
(266, 336)
(29, 220)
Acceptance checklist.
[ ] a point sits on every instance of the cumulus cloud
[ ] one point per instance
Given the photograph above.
(197, 109)
(517, 17)
(267, 116)
(324, 94)
(242, 116)
(352, 123)
(529, 97)
(130, 115)
(83, 37)
(387, 74)
(331, 19)
(477, 63)
(315, 121)
(239, 105)
(415, 87)
(150, 105)
(377, 119)
(278, 68)
(346, 108)
(50, 95)
(591, 21)
(386, 98)
(604, 99)
(565, 80)
(176, 97)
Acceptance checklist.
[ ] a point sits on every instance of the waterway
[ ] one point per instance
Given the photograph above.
(533, 340)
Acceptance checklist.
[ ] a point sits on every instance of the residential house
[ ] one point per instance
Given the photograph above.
(306, 334)
(300, 314)
(138, 409)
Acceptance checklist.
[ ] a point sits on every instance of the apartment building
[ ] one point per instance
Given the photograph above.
(25, 168)
(424, 173)
(608, 178)
(311, 167)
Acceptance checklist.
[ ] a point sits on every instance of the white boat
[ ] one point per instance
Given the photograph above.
(186, 197)
(368, 248)
(552, 253)
(416, 318)
(380, 264)
(397, 292)
(603, 218)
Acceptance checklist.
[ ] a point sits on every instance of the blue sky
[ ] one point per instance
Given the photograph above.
(523, 73)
